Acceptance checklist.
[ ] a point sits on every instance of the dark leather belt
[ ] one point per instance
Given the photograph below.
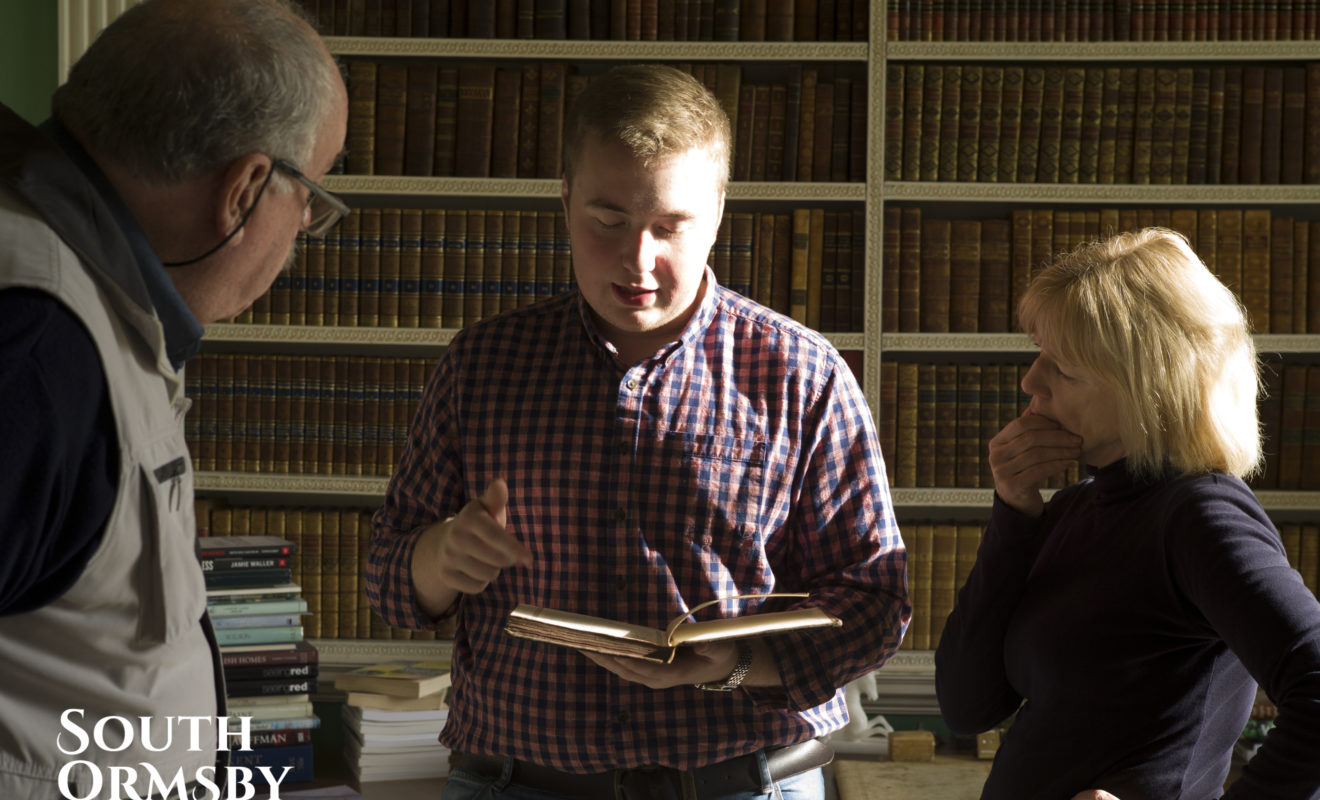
(741, 774)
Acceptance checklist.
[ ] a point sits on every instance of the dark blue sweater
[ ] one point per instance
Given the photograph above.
(1125, 628)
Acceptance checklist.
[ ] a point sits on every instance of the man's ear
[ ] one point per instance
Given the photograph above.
(719, 217)
(240, 184)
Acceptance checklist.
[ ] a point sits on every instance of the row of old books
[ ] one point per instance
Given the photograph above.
(941, 555)
(435, 268)
(330, 555)
(485, 119)
(325, 415)
(1180, 124)
(392, 717)
(270, 671)
(937, 419)
(966, 275)
(1290, 424)
(1101, 20)
(618, 20)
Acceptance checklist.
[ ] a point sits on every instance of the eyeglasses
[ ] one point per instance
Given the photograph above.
(324, 210)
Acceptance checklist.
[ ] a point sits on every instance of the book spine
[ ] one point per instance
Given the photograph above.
(991, 111)
(1256, 267)
(511, 261)
(273, 634)
(1291, 153)
(391, 117)
(1033, 87)
(475, 109)
(1252, 142)
(455, 268)
(969, 123)
(419, 131)
(493, 281)
(474, 268)
(361, 136)
(1070, 134)
(935, 266)
(505, 119)
(550, 109)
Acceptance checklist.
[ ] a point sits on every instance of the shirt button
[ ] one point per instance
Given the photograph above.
(620, 514)
(620, 584)
(622, 717)
(632, 383)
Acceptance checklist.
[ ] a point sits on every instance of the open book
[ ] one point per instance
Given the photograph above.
(601, 635)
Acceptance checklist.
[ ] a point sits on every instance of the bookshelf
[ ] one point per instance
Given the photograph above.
(926, 512)
(873, 339)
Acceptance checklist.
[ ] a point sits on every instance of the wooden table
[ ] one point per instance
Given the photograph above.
(945, 778)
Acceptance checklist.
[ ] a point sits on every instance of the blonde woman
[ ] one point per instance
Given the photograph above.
(1128, 620)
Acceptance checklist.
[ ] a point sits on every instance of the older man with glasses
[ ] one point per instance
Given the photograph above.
(176, 134)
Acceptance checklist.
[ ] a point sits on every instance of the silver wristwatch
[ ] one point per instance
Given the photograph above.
(740, 670)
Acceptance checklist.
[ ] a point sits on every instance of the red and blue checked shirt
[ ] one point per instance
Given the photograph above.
(741, 459)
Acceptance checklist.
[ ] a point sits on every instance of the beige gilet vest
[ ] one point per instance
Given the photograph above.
(126, 639)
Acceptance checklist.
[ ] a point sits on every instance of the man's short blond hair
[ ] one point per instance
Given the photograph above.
(654, 111)
(1143, 313)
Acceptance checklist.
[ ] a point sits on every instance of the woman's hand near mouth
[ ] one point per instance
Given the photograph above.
(1025, 454)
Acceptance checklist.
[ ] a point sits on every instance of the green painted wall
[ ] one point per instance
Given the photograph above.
(29, 56)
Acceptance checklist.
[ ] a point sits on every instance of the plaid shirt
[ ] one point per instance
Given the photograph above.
(741, 459)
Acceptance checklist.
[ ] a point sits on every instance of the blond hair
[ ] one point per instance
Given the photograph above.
(1145, 315)
(654, 111)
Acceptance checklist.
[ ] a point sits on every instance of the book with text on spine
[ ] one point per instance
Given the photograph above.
(611, 637)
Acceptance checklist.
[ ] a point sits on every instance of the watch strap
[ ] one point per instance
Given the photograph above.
(740, 669)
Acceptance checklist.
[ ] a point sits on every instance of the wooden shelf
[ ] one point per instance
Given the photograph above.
(1055, 52)
(424, 339)
(596, 50)
(414, 187)
(1100, 193)
(1019, 343)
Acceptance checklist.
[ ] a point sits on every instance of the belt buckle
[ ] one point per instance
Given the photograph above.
(647, 783)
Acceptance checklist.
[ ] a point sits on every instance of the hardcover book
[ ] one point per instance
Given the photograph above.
(243, 546)
(398, 680)
(611, 637)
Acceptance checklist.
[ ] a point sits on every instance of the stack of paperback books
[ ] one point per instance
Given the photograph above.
(393, 714)
(270, 671)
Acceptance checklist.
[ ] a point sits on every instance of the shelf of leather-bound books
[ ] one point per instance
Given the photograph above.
(454, 123)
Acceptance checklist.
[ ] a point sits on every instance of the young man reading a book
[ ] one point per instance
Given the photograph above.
(165, 193)
(646, 443)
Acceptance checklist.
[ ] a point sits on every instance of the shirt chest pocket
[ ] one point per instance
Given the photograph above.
(173, 596)
(729, 502)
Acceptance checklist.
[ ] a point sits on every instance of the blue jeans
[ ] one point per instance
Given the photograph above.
(462, 785)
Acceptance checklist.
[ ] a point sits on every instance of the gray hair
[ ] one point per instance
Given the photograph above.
(175, 89)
